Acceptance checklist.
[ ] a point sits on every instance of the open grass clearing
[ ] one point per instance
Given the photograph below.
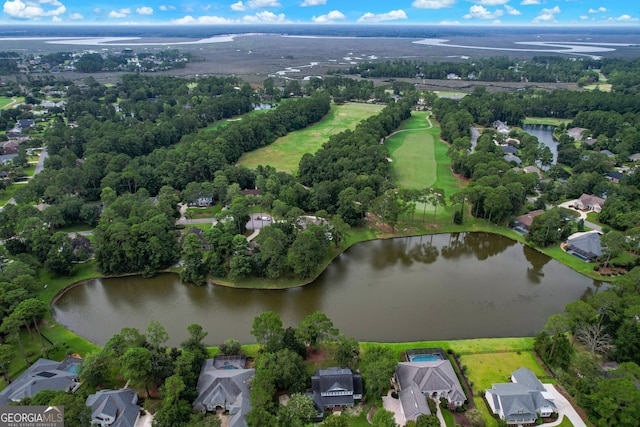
(6, 102)
(414, 159)
(285, 153)
(450, 94)
(552, 121)
(485, 369)
(602, 87)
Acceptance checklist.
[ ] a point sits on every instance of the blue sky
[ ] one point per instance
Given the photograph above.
(320, 12)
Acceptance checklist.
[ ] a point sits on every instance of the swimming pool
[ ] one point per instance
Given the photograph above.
(425, 358)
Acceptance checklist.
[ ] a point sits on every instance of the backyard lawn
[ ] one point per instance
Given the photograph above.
(552, 121)
(484, 369)
(285, 153)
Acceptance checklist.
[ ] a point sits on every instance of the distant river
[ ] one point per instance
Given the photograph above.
(447, 286)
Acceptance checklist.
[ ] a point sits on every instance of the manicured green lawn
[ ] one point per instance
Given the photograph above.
(484, 369)
(414, 159)
(7, 194)
(487, 345)
(205, 212)
(545, 121)
(6, 102)
(487, 417)
(449, 419)
(565, 422)
(285, 153)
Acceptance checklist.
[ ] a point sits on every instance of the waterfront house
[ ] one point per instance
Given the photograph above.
(585, 245)
(434, 379)
(44, 374)
(224, 388)
(522, 400)
(114, 408)
(523, 222)
(335, 388)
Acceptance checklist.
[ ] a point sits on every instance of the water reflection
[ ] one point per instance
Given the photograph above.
(449, 286)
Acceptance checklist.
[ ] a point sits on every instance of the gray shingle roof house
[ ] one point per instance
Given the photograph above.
(521, 401)
(509, 149)
(586, 244)
(634, 157)
(44, 374)
(590, 202)
(226, 389)
(335, 387)
(413, 402)
(435, 379)
(114, 408)
(512, 158)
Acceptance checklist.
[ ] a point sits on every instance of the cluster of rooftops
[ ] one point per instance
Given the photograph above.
(223, 386)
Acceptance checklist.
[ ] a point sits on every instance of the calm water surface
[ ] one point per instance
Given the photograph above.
(544, 133)
(467, 285)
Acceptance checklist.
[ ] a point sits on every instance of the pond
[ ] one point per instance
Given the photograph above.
(544, 133)
(447, 286)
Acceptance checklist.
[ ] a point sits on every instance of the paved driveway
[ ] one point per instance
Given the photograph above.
(393, 405)
(564, 408)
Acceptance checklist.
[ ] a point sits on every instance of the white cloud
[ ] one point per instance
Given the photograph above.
(265, 17)
(306, 3)
(329, 17)
(480, 12)
(449, 23)
(512, 10)
(33, 9)
(496, 21)
(432, 4)
(490, 2)
(529, 2)
(187, 9)
(166, 7)
(97, 10)
(584, 17)
(389, 16)
(547, 15)
(56, 19)
(207, 20)
(263, 4)
(239, 7)
(120, 13)
(144, 10)
(598, 10)
(624, 18)
(76, 16)
(206, 8)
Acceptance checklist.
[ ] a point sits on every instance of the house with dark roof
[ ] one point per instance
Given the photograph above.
(25, 123)
(589, 202)
(114, 408)
(607, 153)
(585, 244)
(614, 176)
(224, 389)
(522, 400)
(432, 379)
(523, 222)
(44, 374)
(507, 149)
(335, 388)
